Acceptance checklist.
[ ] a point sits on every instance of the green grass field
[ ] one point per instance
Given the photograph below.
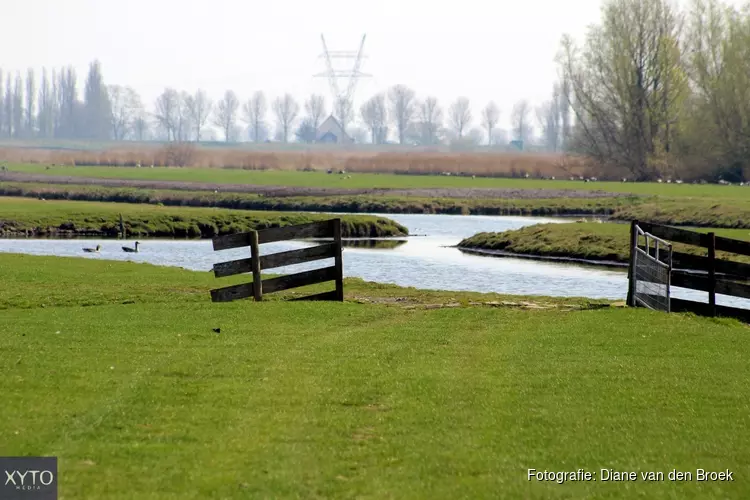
(333, 203)
(589, 240)
(115, 369)
(321, 179)
(49, 216)
(685, 204)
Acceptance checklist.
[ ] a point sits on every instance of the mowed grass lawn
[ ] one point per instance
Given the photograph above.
(115, 369)
(362, 180)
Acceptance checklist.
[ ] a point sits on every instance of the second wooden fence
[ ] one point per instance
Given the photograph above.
(705, 273)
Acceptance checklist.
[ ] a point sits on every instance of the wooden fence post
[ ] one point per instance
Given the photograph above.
(712, 272)
(631, 267)
(122, 228)
(255, 264)
(338, 260)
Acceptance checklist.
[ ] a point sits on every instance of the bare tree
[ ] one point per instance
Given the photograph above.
(286, 110)
(520, 121)
(125, 103)
(430, 120)
(18, 110)
(166, 112)
(717, 130)
(402, 100)
(199, 107)
(2, 105)
(30, 102)
(226, 114)
(629, 86)
(44, 116)
(564, 105)
(460, 116)
(97, 109)
(254, 112)
(374, 114)
(549, 118)
(315, 107)
(343, 112)
(140, 126)
(490, 117)
(69, 117)
(8, 106)
(184, 120)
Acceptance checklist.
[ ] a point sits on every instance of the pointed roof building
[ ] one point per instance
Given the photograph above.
(330, 131)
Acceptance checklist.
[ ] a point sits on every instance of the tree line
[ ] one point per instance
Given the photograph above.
(653, 90)
(53, 109)
(660, 91)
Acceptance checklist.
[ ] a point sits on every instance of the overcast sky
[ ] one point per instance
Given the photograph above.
(484, 50)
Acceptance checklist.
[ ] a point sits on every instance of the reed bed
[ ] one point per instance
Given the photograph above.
(414, 162)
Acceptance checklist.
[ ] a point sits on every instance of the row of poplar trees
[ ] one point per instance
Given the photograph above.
(54, 110)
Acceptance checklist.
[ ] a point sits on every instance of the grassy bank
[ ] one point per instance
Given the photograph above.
(700, 211)
(53, 217)
(137, 396)
(339, 203)
(590, 241)
(678, 204)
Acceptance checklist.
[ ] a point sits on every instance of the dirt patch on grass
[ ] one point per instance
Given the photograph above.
(414, 303)
(287, 191)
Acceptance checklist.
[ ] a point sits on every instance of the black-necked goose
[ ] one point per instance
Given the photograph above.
(131, 249)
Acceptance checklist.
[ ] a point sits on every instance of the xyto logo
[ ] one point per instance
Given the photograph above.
(28, 480)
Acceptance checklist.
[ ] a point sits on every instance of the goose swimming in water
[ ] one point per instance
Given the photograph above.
(93, 250)
(131, 249)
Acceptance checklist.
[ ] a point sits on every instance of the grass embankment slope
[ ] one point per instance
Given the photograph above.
(352, 203)
(138, 397)
(38, 218)
(589, 240)
(684, 204)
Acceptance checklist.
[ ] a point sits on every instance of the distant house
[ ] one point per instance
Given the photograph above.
(330, 131)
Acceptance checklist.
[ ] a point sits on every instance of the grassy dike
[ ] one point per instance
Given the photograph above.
(339, 203)
(115, 368)
(54, 217)
(586, 241)
(701, 208)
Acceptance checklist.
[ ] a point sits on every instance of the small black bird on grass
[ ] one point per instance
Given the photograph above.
(216, 330)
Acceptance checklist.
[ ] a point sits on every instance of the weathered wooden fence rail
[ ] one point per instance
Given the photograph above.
(257, 263)
(702, 273)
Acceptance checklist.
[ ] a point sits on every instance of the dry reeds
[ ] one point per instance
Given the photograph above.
(419, 162)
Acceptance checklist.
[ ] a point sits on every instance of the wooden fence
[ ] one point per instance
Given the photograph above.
(704, 273)
(257, 263)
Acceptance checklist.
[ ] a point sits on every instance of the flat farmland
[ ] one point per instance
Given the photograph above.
(352, 181)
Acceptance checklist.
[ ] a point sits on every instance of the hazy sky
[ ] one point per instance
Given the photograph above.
(484, 50)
